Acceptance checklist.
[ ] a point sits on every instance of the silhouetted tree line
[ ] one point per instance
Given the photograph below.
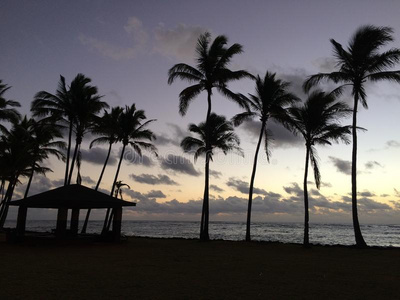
(75, 109)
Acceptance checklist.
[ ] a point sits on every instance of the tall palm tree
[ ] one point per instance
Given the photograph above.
(359, 63)
(317, 120)
(86, 106)
(119, 184)
(73, 106)
(212, 71)
(7, 111)
(269, 102)
(219, 134)
(43, 144)
(107, 129)
(132, 132)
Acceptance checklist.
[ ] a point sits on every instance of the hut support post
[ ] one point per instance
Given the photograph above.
(117, 223)
(62, 216)
(74, 221)
(21, 220)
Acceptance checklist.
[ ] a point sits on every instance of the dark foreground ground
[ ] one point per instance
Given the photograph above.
(143, 268)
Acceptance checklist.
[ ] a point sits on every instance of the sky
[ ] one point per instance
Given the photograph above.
(127, 48)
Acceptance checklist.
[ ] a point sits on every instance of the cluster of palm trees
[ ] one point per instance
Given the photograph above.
(73, 109)
(316, 119)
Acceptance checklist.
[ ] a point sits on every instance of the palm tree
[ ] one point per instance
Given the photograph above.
(119, 184)
(74, 106)
(359, 63)
(211, 72)
(15, 158)
(86, 105)
(132, 132)
(270, 102)
(7, 112)
(107, 128)
(317, 122)
(42, 145)
(218, 134)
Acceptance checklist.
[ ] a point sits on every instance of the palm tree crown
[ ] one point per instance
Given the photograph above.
(211, 72)
(7, 111)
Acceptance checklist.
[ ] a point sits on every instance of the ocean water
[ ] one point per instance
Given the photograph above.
(325, 234)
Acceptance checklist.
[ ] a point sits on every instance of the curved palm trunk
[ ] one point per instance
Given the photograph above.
(68, 153)
(77, 144)
(113, 187)
(96, 188)
(204, 236)
(306, 241)
(6, 202)
(253, 176)
(357, 231)
(29, 181)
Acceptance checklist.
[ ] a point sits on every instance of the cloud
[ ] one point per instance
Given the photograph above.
(342, 166)
(155, 194)
(178, 135)
(366, 194)
(281, 137)
(178, 43)
(152, 179)
(392, 144)
(179, 164)
(215, 174)
(88, 180)
(132, 158)
(372, 165)
(243, 186)
(98, 156)
(325, 64)
(322, 184)
(216, 188)
(133, 29)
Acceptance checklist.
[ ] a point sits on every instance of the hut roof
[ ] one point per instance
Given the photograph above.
(72, 196)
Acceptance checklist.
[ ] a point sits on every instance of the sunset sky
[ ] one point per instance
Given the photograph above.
(127, 47)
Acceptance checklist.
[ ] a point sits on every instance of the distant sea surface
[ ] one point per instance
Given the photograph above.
(325, 234)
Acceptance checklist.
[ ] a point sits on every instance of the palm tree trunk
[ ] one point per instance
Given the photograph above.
(204, 236)
(68, 153)
(357, 231)
(306, 240)
(77, 144)
(253, 176)
(96, 188)
(3, 182)
(29, 181)
(113, 186)
(8, 197)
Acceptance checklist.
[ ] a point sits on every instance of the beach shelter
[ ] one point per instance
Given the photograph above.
(73, 197)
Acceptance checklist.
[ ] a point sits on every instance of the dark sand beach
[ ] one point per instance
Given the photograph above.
(144, 268)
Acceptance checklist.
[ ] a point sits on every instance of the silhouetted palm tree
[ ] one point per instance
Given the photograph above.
(42, 145)
(107, 129)
(357, 64)
(87, 105)
(270, 102)
(119, 184)
(219, 136)
(7, 111)
(318, 122)
(74, 106)
(132, 132)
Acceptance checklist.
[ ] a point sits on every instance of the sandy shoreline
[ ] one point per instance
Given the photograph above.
(148, 268)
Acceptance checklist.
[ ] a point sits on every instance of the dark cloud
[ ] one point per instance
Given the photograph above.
(178, 134)
(216, 188)
(155, 194)
(179, 164)
(372, 165)
(366, 194)
(281, 137)
(97, 156)
(323, 184)
(243, 186)
(152, 179)
(215, 174)
(88, 180)
(131, 157)
(325, 64)
(342, 166)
